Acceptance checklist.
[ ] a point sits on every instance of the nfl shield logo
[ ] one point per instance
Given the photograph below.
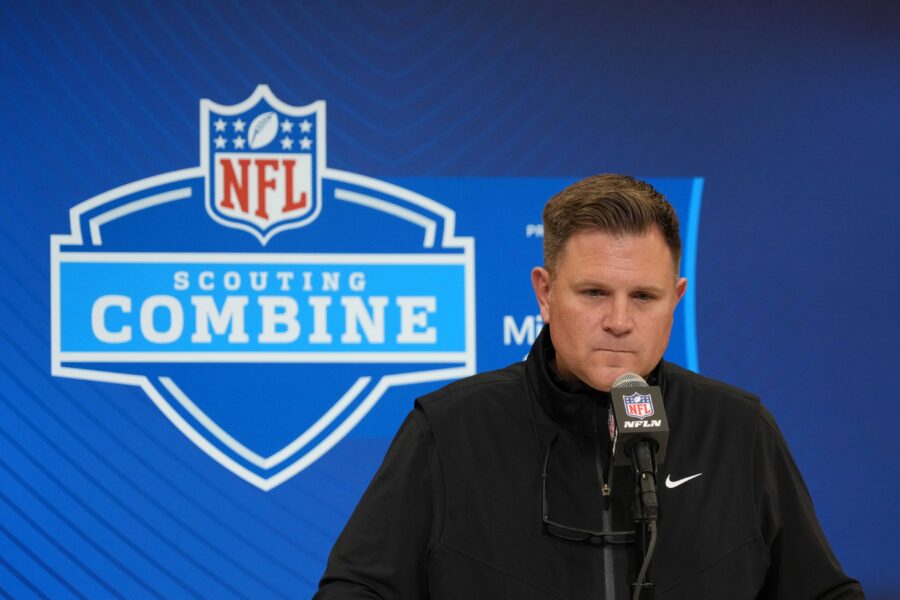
(639, 406)
(263, 161)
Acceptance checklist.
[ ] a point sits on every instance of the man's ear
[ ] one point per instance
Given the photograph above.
(540, 280)
(680, 289)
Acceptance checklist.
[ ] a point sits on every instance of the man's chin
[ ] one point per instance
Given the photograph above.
(601, 383)
(603, 379)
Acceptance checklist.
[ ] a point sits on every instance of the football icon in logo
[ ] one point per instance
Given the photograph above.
(263, 130)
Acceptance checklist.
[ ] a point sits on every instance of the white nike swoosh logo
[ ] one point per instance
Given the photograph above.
(674, 484)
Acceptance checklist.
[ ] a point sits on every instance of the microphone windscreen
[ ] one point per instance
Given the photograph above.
(629, 380)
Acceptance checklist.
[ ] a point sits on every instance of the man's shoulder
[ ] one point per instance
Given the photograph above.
(698, 404)
(699, 389)
(477, 393)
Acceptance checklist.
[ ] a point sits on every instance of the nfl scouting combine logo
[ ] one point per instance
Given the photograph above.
(263, 301)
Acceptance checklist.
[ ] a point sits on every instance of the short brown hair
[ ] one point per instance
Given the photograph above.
(616, 204)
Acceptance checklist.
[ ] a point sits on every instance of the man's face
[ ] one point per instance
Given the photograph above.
(610, 305)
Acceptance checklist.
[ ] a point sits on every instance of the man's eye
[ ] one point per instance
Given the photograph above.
(643, 296)
(594, 293)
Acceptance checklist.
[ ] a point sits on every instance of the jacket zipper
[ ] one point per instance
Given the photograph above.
(608, 556)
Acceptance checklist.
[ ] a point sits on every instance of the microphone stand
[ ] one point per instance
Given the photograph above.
(645, 513)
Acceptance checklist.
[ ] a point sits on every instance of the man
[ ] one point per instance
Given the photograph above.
(500, 485)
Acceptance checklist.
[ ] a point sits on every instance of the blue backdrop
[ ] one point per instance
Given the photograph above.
(458, 119)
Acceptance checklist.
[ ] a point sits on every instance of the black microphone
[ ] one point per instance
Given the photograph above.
(640, 433)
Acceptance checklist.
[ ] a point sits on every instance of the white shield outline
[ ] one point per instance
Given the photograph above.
(263, 92)
(287, 458)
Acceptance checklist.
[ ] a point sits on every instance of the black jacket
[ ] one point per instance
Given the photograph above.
(455, 509)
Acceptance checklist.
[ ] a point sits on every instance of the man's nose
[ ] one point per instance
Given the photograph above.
(618, 321)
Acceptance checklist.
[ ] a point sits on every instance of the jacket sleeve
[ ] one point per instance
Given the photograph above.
(802, 564)
(382, 550)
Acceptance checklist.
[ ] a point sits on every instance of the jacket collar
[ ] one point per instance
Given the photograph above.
(573, 405)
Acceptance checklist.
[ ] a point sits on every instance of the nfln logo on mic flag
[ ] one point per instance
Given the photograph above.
(263, 301)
